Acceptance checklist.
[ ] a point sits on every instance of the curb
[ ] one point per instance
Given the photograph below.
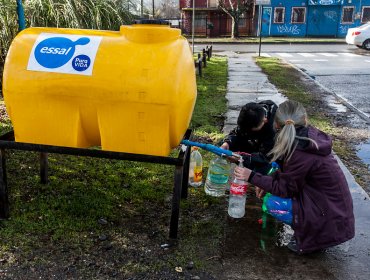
(345, 102)
(263, 42)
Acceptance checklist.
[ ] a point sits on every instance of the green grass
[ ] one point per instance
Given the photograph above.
(211, 102)
(65, 213)
(288, 81)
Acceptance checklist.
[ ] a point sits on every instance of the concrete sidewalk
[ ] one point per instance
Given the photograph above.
(251, 252)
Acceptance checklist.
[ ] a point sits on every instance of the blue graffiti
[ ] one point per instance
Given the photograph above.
(292, 29)
(325, 2)
(57, 51)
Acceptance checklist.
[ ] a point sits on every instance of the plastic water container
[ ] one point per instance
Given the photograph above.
(195, 168)
(217, 177)
(131, 90)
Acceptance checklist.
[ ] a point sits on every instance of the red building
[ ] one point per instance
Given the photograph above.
(212, 21)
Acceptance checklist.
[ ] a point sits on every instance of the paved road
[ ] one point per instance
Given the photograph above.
(340, 72)
(343, 69)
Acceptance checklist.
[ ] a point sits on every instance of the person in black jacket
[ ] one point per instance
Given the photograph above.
(254, 134)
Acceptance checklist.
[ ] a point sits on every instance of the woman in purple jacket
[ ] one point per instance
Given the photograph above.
(310, 175)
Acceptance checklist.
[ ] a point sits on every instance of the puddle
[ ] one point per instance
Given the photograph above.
(339, 107)
(336, 105)
(363, 153)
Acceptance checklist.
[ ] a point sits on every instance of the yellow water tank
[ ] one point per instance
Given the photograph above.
(131, 90)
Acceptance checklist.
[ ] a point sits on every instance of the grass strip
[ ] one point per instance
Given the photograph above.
(290, 82)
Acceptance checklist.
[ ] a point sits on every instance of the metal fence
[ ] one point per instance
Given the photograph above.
(218, 25)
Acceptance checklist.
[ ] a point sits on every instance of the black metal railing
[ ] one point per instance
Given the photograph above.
(181, 164)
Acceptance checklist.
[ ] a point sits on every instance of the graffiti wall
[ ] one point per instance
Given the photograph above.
(315, 18)
(288, 18)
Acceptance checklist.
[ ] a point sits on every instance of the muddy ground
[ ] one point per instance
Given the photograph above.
(145, 252)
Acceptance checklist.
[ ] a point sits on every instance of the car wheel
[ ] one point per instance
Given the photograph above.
(366, 45)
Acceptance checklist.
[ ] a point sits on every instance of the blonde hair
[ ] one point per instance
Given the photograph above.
(289, 115)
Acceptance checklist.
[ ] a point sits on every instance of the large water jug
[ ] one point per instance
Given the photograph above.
(217, 177)
(131, 90)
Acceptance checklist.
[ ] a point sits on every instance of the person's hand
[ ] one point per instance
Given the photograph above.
(259, 192)
(225, 146)
(242, 173)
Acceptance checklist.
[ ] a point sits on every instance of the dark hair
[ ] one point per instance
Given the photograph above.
(251, 116)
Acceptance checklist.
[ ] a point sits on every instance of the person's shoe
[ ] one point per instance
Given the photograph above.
(292, 245)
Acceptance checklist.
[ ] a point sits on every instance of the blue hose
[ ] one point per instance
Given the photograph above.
(211, 148)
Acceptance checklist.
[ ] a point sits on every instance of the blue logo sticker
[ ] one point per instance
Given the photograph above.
(57, 51)
(81, 62)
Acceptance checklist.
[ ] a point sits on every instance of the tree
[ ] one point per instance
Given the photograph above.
(169, 9)
(235, 9)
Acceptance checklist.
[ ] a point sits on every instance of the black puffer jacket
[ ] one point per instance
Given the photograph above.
(257, 143)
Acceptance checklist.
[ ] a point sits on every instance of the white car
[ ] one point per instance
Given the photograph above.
(359, 36)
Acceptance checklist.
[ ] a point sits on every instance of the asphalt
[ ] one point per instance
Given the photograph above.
(253, 252)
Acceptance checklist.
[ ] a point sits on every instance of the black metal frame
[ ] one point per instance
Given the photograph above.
(181, 164)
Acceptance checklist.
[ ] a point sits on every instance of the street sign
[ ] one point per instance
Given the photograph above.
(263, 2)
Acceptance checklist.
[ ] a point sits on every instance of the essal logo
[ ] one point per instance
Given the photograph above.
(52, 50)
(55, 52)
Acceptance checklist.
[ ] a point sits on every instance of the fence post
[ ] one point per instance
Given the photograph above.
(206, 26)
(204, 58)
(210, 52)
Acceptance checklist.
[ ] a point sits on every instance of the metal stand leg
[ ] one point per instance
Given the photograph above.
(4, 198)
(176, 197)
(44, 168)
(185, 177)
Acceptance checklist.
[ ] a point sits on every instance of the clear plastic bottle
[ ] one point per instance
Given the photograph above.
(195, 168)
(237, 197)
(217, 177)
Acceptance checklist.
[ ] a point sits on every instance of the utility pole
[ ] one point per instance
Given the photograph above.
(153, 7)
(193, 26)
(141, 8)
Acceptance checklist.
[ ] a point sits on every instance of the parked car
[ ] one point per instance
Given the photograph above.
(359, 36)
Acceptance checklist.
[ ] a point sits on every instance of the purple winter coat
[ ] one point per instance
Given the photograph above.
(322, 203)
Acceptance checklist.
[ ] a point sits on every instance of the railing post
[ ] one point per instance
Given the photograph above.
(176, 197)
(44, 168)
(185, 174)
(4, 197)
